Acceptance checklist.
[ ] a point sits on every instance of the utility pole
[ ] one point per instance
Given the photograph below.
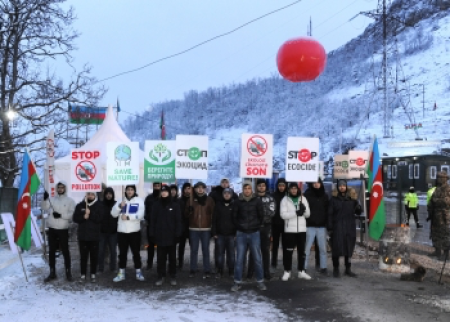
(384, 75)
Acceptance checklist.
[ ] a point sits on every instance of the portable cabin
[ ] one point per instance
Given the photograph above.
(417, 171)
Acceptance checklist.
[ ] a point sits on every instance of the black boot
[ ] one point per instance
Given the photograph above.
(51, 276)
(336, 272)
(348, 272)
(436, 253)
(219, 273)
(69, 275)
(180, 263)
(419, 225)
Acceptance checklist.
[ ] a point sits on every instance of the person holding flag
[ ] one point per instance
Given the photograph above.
(342, 225)
(61, 208)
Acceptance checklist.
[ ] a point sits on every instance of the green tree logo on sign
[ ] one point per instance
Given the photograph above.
(344, 164)
(160, 154)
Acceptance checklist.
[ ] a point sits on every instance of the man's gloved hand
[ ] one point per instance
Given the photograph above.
(299, 212)
(46, 195)
(56, 215)
(358, 208)
(417, 207)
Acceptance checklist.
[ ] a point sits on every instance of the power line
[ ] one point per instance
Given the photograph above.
(199, 44)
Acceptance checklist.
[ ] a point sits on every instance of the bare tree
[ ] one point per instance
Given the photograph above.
(34, 34)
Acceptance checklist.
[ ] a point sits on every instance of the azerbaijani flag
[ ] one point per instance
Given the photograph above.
(377, 212)
(29, 184)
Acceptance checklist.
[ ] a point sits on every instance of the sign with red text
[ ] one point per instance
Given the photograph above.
(302, 159)
(85, 170)
(256, 156)
(358, 161)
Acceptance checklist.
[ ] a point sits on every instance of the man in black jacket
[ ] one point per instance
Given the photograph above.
(149, 201)
(224, 231)
(317, 223)
(108, 234)
(248, 216)
(88, 215)
(264, 232)
(183, 202)
(277, 221)
(165, 230)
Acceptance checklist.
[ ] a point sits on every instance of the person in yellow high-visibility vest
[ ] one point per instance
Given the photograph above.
(430, 193)
(412, 206)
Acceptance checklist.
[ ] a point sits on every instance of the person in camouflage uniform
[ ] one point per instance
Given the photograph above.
(439, 211)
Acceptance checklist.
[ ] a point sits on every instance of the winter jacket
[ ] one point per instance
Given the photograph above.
(439, 213)
(268, 208)
(62, 204)
(165, 225)
(342, 222)
(288, 211)
(89, 229)
(133, 224)
(183, 203)
(248, 215)
(411, 200)
(201, 216)
(278, 196)
(318, 205)
(222, 221)
(149, 201)
(109, 223)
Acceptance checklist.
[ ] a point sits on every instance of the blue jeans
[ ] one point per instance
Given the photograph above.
(252, 241)
(197, 236)
(225, 243)
(111, 241)
(320, 233)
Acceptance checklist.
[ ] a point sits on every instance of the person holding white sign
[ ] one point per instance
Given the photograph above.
(130, 212)
(294, 210)
(88, 215)
(61, 209)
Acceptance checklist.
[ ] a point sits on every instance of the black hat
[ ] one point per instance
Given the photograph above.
(411, 189)
(165, 188)
(260, 180)
(198, 184)
(227, 190)
(173, 187)
(156, 183)
(131, 186)
(185, 185)
(342, 182)
(293, 184)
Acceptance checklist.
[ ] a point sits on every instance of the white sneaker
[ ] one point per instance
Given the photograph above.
(120, 276)
(286, 276)
(303, 275)
(139, 275)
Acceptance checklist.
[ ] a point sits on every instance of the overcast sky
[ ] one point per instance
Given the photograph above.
(119, 35)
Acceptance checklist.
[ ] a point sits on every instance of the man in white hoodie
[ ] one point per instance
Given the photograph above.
(130, 212)
(61, 209)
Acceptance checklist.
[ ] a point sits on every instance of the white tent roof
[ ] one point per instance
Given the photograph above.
(109, 131)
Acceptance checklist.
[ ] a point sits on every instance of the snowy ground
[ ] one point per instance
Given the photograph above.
(35, 301)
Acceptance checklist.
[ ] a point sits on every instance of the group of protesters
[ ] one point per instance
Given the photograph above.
(242, 226)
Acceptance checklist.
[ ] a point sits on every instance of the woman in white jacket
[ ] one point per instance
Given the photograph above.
(130, 212)
(293, 210)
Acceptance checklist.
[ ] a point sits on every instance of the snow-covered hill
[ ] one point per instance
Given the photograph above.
(345, 99)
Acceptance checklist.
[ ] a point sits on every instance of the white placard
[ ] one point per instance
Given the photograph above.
(302, 159)
(321, 170)
(49, 171)
(256, 156)
(85, 170)
(192, 157)
(122, 165)
(358, 161)
(341, 167)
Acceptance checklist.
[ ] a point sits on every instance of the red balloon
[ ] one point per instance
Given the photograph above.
(301, 59)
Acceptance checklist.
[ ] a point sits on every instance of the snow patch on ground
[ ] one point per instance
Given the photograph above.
(35, 301)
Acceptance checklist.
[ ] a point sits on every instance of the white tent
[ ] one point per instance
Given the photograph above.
(109, 131)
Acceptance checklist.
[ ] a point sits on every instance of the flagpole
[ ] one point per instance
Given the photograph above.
(19, 252)
(366, 226)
